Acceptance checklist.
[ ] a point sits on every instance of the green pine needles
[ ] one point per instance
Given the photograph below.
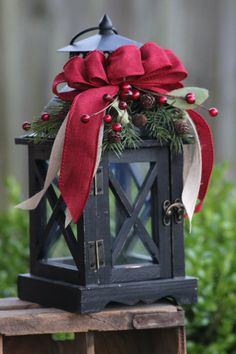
(123, 127)
(160, 126)
(56, 109)
(117, 142)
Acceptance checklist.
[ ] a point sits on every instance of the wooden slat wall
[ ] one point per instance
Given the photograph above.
(200, 32)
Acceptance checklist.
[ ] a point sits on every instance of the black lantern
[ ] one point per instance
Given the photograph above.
(128, 246)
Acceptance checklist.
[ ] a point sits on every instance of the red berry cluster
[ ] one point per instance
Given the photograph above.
(26, 125)
(191, 99)
(126, 94)
(45, 117)
(162, 99)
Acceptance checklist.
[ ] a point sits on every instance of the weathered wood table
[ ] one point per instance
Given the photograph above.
(27, 328)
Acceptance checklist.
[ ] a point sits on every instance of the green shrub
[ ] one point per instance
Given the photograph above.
(211, 256)
(13, 241)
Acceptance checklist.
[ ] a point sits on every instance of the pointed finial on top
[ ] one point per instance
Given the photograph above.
(105, 25)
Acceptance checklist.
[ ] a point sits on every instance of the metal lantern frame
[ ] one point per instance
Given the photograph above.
(100, 268)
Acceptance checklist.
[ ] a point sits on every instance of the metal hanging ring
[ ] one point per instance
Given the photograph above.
(89, 30)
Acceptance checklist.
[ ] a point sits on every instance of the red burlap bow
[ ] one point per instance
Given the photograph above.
(149, 67)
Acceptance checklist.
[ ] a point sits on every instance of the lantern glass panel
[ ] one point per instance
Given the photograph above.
(131, 208)
(54, 247)
(134, 251)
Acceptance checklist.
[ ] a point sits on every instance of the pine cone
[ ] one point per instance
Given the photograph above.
(148, 101)
(181, 127)
(139, 120)
(114, 137)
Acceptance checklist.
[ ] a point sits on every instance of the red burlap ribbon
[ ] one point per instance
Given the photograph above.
(207, 151)
(149, 67)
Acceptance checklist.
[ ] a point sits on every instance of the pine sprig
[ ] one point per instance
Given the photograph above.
(57, 110)
(127, 138)
(130, 136)
(160, 125)
(109, 144)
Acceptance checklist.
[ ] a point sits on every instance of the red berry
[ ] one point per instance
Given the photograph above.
(45, 117)
(85, 118)
(213, 112)
(116, 127)
(126, 95)
(125, 86)
(136, 95)
(190, 98)
(123, 105)
(107, 118)
(26, 126)
(107, 97)
(162, 99)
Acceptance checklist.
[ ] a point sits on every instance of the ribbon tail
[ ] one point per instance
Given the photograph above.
(192, 174)
(99, 154)
(207, 151)
(53, 168)
(99, 148)
(80, 152)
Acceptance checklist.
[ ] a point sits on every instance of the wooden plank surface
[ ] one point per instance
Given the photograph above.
(158, 320)
(25, 319)
(13, 303)
(39, 344)
(154, 341)
(86, 343)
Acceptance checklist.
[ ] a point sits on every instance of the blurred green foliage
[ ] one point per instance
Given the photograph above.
(211, 257)
(13, 241)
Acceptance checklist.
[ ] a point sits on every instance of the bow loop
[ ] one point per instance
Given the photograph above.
(154, 58)
(84, 73)
(124, 63)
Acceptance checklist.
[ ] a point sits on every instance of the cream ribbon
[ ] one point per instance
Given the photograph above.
(192, 173)
(53, 168)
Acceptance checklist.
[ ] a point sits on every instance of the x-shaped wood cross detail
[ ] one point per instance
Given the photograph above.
(133, 214)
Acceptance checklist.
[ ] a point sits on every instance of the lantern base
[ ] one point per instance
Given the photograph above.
(93, 298)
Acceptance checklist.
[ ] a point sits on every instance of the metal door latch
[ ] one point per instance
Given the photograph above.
(175, 209)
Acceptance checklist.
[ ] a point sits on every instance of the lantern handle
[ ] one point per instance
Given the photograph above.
(107, 31)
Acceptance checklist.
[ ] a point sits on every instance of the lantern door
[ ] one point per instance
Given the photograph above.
(141, 242)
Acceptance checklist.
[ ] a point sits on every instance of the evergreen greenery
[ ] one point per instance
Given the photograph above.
(57, 110)
(127, 138)
(160, 125)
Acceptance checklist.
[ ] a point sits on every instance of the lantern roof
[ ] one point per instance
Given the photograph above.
(107, 39)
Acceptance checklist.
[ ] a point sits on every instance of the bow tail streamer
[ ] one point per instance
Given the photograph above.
(98, 159)
(207, 151)
(53, 168)
(80, 152)
(192, 173)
